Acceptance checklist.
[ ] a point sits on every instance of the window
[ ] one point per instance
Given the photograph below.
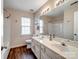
(41, 26)
(25, 26)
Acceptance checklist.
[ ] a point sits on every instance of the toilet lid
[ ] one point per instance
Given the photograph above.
(28, 41)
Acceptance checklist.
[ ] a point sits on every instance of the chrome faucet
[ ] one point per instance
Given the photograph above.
(50, 37)
(53, 35)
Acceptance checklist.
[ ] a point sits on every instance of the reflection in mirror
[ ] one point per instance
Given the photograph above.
(60, 22)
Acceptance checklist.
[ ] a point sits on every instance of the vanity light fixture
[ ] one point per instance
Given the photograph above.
(48, 9)
(45, 11)
(59, 2)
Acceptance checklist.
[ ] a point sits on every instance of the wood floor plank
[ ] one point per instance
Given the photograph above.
(21, 53)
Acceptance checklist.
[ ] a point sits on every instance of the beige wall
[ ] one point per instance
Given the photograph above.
(15, 22)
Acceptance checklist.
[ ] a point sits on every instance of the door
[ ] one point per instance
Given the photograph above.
(76, 25)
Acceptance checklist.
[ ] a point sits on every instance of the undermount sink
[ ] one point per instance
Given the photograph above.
(68, 51)
(66, 48)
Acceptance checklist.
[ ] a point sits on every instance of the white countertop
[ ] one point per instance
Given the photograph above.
(68, 52)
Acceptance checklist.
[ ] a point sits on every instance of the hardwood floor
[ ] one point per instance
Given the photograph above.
(21, 53)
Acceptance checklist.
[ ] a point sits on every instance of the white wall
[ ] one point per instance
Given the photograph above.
(6, 32)
(16, 39)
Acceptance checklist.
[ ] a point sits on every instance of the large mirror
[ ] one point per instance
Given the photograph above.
(62, 21)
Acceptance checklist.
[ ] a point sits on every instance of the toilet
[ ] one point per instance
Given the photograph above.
(28, 43)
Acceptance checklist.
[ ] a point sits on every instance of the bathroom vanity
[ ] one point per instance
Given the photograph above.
(46, 49)
(59, 21)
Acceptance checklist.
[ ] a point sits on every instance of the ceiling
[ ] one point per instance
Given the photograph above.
(24, 5)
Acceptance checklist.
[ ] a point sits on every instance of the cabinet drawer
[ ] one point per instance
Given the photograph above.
(44, 56)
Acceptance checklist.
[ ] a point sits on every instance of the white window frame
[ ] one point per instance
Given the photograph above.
(41, 26)
(25, 26)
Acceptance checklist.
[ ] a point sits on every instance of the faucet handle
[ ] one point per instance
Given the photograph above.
(53, 35)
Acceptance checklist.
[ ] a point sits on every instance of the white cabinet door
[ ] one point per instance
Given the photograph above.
(37, 51)
(33, 46)
(43, 53)
(45, 56)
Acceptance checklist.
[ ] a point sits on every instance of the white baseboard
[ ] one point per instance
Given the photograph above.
(17, 45)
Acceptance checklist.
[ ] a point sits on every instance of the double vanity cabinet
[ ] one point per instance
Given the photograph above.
(43, 52)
